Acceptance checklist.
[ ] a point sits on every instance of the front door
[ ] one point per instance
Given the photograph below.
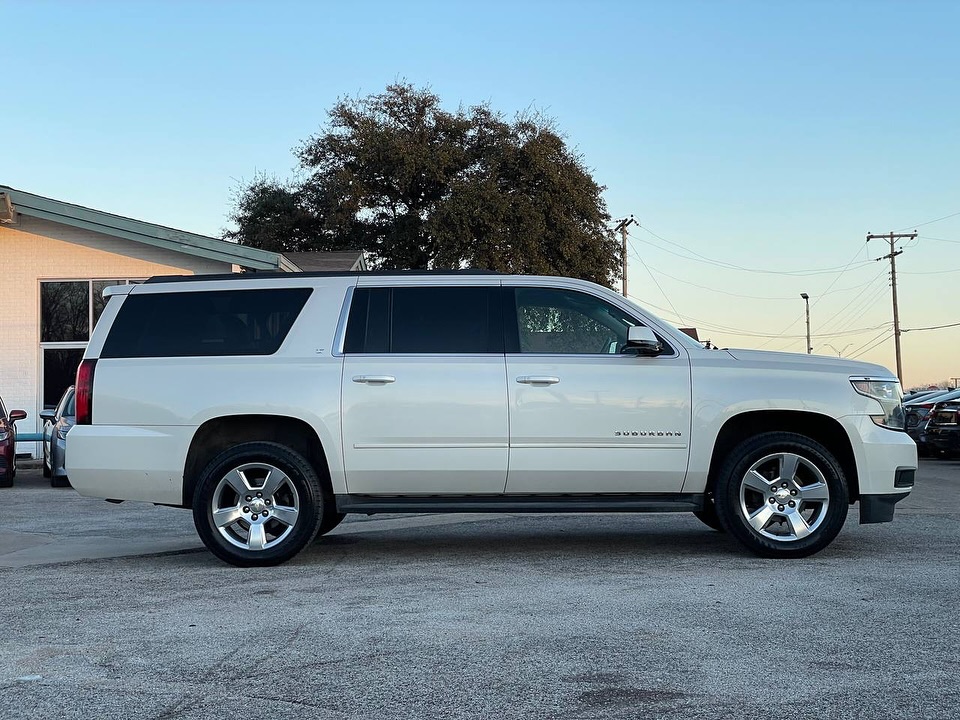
(424, 400)
(585, 418)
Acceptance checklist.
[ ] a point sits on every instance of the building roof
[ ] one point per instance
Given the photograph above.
(327, 261)
(160, 236)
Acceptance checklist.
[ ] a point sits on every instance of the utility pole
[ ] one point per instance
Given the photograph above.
(621, 227)
(891, 238)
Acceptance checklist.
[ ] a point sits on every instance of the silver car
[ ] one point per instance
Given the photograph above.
(56, 425)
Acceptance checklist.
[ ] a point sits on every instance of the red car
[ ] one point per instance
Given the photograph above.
(8, 444)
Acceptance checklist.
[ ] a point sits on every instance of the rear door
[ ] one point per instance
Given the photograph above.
(424, 403)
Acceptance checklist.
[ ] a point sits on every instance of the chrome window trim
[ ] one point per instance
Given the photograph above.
(341, 332)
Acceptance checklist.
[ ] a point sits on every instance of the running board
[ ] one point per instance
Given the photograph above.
(635, 502)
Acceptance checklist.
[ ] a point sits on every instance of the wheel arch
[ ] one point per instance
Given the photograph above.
(217, 434)
(821, 428)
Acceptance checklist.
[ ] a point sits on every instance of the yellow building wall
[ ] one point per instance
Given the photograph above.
(35, 250)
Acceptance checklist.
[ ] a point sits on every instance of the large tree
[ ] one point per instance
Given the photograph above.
(419, 187)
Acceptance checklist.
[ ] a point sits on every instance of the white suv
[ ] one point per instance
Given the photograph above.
(273, 404)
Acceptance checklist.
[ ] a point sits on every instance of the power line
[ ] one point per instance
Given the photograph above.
(928, 272)
(928, 237)
(785, 298)
(863, 348)
(932, 327)
(717, 327)
(929, 222)
(652, 277)
(872, 347)
(667, 297)
(731, 266)
(857, 305)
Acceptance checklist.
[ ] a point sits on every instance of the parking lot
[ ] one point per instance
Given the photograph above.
(115, 611)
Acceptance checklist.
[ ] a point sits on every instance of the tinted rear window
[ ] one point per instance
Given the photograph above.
(197, 324)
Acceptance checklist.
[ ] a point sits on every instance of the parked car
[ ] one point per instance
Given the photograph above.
(917, 394)
(56, 425)
(273, 405)
(917, 430)
(943, 431)
(8, 444)
(916, 411)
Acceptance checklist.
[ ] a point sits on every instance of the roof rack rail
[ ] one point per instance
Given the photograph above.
(324, 273)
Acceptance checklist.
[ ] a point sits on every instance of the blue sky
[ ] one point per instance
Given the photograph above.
(765, 135)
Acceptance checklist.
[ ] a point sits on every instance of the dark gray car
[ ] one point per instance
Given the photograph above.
(56, 425)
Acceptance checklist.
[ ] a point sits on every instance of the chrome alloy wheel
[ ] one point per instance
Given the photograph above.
(784, 497)
(255, 506)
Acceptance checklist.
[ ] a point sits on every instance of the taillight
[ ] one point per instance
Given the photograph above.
(84, 396)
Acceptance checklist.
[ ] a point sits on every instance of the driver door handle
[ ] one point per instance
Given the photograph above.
(374, 379)
(538, 380)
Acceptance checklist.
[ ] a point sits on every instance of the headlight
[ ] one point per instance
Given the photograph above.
(62, 432)
(4, 434)
(888, 394)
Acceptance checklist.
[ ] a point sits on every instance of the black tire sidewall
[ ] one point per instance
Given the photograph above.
(728, 494)
(301, 474)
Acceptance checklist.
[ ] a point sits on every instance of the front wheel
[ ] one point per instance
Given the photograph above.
(782, 495)
(258, 504)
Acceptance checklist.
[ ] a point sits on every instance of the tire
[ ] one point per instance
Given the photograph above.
(256, 530)
(47, 472)
(789, 468)
(59, 482)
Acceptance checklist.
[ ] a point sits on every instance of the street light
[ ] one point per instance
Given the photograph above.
(806, 301)
(838, 352)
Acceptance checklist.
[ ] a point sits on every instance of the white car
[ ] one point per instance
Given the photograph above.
(273, 404)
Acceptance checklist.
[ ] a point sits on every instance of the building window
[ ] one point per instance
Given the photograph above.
(69, 310)
(64, 311)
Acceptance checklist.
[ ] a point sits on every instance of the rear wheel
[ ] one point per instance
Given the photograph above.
(782, 495)
(257, 504)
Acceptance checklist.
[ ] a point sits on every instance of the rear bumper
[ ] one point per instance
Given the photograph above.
(944, 442)
(118, 462)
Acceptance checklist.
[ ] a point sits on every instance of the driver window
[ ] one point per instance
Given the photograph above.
(565, 322)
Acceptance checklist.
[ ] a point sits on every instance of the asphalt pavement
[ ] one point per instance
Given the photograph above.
(116, 611)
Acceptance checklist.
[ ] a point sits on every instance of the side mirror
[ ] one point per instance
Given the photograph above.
(642, 341)
(50, 415)
(17, 415)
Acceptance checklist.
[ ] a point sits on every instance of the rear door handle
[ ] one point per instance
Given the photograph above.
(374, 379)
(538, 380)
